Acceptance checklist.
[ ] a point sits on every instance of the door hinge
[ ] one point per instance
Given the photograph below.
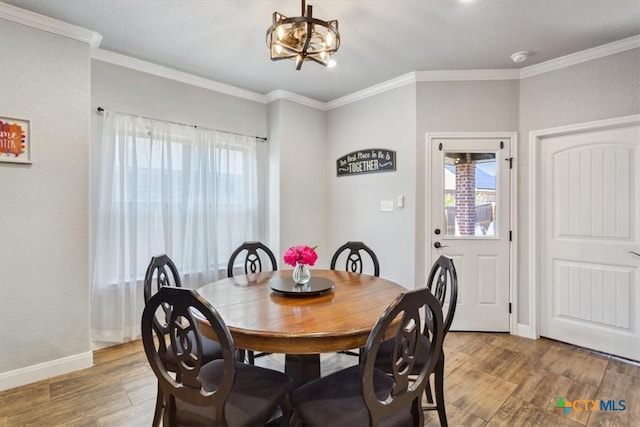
(509, 308)
(510, 160)
(501, 145)
(510, 236)
(440, 147)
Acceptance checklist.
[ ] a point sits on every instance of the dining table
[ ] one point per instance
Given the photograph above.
(268, 312)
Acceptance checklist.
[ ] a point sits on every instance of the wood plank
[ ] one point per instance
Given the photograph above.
(479, 393)
(24, 398)
(618, 386)
(518, 412)
(579, 365)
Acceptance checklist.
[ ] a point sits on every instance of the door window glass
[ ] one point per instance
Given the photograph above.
(470, 194)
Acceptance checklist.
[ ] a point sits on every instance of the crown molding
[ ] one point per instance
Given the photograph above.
(582, 56)
(424, 76)
(172, 74)
(294, 97)
(467, 75)
(41, 22)
(180, 76)
(388, 85)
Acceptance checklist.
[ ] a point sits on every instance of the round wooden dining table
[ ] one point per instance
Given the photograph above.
(300, 325)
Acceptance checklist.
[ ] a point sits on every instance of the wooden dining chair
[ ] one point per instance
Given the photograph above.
(352, 253)
(354, 258)
(162, 272)
(443, 284)
(254, 254)
(365, 395)
(222, 392)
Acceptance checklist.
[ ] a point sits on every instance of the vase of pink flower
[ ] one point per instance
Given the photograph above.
(301, 258)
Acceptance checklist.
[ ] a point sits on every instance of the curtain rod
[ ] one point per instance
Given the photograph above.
(259, 138)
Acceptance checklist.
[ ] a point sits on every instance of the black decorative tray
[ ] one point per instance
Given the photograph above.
(288, 288)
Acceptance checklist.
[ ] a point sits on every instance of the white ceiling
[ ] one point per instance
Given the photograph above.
(380, 39)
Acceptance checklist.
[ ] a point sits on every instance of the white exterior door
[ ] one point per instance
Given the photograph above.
(589, 247)
(470, 188)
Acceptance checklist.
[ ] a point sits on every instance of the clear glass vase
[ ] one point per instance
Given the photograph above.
(301, 274)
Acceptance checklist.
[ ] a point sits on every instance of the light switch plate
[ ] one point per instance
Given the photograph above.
(386, 205)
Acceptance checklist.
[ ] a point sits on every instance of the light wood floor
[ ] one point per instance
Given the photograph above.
(490, 380)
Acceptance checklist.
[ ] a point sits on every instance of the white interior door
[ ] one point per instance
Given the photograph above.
(470, 187)
(589, 248)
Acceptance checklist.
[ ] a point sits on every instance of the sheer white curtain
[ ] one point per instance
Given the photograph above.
(165, 188)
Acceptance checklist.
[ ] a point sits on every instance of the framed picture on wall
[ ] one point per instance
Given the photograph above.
(15, 140)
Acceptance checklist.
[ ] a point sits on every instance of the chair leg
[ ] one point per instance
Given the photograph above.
(287, 412)
(295, 420)
(170, 412)
(427, 392)
(416, 412)
(439, 384)
(252, 359)
(157, 416)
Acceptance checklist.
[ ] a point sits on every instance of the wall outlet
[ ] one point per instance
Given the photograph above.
(386, 205)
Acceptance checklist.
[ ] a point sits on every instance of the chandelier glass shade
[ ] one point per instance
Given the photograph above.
(303, 38)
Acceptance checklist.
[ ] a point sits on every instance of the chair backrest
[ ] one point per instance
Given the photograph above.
(184, 306)
(355, 262)
(160, 272)
(443, 281)
(253, 260)
(415, 343)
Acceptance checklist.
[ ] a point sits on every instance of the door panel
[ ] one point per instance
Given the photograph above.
(487, 280)
(470, 187)
(589, 216)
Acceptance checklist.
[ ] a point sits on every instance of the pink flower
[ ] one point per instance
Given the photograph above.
(301, 254)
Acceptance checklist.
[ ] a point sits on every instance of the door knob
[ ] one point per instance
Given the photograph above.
(438, 245)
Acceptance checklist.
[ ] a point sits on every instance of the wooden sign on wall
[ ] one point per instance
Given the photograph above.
(15, 140)
(371, 160)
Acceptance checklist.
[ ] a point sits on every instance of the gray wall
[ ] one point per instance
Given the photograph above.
(298, 187)
(383, 121)
(599, 89)
(44, 207)
(122, 89)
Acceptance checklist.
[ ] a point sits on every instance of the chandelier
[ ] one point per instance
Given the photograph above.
(303, 38)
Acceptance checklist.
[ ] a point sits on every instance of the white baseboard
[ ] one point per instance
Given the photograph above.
(42, 371)
(525, 331)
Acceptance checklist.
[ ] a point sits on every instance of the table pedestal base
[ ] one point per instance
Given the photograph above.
(302, 368)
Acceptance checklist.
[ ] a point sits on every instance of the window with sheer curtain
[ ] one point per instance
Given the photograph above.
(188, 192)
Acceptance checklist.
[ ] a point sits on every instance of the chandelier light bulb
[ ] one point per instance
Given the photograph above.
(329, 38)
